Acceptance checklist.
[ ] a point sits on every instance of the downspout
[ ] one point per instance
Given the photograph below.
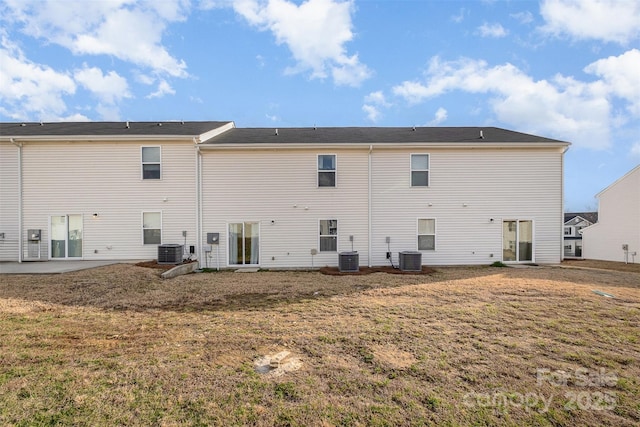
(562, 204)
(369, 209)
(198, 159)
(20, 241)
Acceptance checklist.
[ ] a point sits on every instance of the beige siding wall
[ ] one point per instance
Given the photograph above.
(105, 178)
(281, 186)
(618, 222)
(9, 198)
(499, 184)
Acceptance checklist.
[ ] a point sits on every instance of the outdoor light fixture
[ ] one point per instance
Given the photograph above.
(95, 215)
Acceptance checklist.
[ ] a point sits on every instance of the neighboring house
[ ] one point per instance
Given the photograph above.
(573, 224)
(287, 198)
(616, 236)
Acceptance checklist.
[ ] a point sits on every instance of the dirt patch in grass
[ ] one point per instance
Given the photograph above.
(603, 265)
(117, 345)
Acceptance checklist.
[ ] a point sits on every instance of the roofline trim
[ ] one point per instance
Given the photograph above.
(396, 145)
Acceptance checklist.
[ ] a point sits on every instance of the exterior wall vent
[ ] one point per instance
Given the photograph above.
(170, 254)
(348, 262)
(410, 261)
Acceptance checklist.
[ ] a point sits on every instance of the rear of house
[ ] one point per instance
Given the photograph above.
(288, 198)
(297, 197)
(99, 191)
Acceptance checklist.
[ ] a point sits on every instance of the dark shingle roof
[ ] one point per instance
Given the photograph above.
(26, 129)
(372, 135)
(592, 217)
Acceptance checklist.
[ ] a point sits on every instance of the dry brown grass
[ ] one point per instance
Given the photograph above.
(119, 346)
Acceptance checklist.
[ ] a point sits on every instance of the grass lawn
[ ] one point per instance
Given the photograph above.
(117, 345)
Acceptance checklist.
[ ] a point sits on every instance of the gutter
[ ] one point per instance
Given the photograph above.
(20, 239)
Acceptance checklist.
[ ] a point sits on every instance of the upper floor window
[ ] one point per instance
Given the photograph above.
(419, 170)
(326, 170)
(567, 231)
(150, 162)
(426, 234)
(328, 235)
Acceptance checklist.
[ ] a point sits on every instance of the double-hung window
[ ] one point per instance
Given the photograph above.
(427, 234)
(328, 235)
(326, 170)
(151, 228)
(151, 163)
(419, 170)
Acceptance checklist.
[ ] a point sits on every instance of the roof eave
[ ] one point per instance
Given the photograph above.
(386, 145)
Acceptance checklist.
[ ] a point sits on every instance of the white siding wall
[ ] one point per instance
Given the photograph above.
(9, 198)
(105, 178)
(499, 184)
(281, 186)
(618, 222)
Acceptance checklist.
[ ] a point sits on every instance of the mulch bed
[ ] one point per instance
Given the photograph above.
(334, 271)
(154, 264)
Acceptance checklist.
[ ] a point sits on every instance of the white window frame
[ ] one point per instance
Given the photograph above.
(143, 163)
(149, 228)
(335, 171)
(411, 170)
(435, 234)
(517, 229)
(320, 236)
(567, 231)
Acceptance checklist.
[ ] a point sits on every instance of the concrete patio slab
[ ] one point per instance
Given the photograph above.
(51, 267)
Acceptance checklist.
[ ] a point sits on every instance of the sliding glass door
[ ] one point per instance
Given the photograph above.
(517, 240)
(66, 236)
(244, 243)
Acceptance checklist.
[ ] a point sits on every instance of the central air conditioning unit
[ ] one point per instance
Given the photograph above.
(348, 262)
(411, 261)
(170, 254)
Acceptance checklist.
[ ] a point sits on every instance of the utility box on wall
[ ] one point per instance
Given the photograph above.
(213, 238)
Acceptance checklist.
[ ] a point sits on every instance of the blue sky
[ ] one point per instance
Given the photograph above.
(564, 69)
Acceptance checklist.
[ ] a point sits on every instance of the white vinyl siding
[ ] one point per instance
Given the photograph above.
(281, 193)
(9, 201)
(473, 191)
(104, 178)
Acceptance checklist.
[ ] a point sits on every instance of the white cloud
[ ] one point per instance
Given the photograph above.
(315, 32)
(109, 88)
(460, 16)
(635, 150)
(607, 20)
(621, 77)
(28, 89)
(439, 117)
(561, 107)
(164, 88)
(373, 103)
(129, 31)
(373, 113)
(377, 98)
(492, 30)
(523, 17)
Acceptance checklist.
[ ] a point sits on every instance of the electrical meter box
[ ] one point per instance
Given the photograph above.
(213, 238)
(33, 235)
